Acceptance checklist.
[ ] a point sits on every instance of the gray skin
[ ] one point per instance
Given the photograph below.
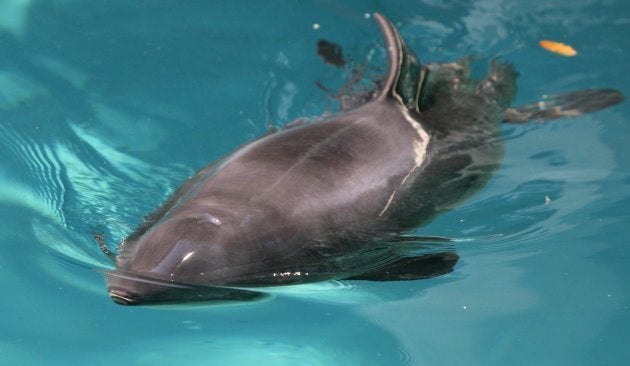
(326, 200)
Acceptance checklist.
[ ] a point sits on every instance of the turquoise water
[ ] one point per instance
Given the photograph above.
(106, 106)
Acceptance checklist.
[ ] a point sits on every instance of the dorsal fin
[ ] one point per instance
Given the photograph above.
(405, 74)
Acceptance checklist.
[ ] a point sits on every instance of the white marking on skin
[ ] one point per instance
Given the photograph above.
(420, 150)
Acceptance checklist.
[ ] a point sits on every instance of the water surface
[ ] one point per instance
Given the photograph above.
(106, 106)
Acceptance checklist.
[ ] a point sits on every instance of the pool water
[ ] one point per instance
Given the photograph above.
(106, 106)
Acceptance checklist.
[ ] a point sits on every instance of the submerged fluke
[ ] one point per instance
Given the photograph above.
(571, 104)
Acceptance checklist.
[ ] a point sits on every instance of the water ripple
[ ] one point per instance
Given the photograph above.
(404, 357)
(47, 195)
(77, 184)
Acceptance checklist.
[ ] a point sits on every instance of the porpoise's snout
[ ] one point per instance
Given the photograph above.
(131, 289)
(121, 297)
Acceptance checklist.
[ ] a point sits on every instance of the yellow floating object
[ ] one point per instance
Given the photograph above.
(557, 47)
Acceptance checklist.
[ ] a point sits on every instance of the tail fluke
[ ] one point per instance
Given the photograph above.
(564, 105)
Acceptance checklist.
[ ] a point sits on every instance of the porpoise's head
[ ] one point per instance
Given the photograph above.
(178, 260)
